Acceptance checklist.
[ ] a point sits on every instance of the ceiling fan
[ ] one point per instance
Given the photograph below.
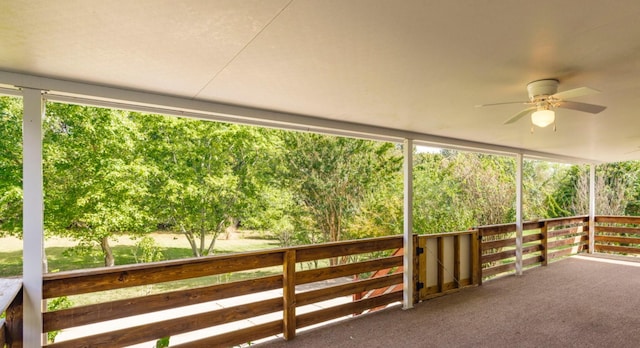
(544, 98)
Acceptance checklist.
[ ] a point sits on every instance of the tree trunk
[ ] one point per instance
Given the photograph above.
(109, 260)
(191, 240)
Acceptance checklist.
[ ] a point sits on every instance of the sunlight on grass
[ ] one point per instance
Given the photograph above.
(172, 246)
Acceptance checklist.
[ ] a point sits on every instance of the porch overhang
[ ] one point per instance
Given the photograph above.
(381, 70)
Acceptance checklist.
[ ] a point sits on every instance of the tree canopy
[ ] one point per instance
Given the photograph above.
(112, 172)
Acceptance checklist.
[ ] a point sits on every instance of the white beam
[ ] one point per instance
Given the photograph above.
(592, 207)
(33, 216)
(519, 222)
(91, 94)
(408, 225)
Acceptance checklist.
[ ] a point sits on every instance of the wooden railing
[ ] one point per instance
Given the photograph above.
(384, 290)
(542, 240)
(11, 306)
(287, 274)
(617, 234)
(283, 287)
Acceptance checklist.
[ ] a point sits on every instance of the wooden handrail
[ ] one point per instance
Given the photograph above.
(490, 251)
(288, 278)
(9, 289)
(11, 305)
(543, 240)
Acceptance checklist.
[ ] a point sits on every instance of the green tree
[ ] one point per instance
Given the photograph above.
(458, 190)
(617, 190)
(330, 178)
(208, 175)
(94, 176)
(439, 198)
(10, 166)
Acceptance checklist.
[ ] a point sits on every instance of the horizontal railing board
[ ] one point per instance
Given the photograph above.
(498, 244)
(493, 230)
(74, 282)
(532, 260)
(359, 286)
(565, 252)
(510, 253)
(83, 315)
(617, 249)
(567, 241)
(447, 234)
(337, 249)
(613, 239)
(314, 275)
(532, 237)
(510, 242)
(451, 286)
(532, 225)
(566, 231)
(617, 229)
(152, 331)
(618, 219)
(346, 309)
(551, 223)
(511, 266)
(237, 337)
(507, 267)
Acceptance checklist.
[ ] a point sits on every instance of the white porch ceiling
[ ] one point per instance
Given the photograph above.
(411, 65)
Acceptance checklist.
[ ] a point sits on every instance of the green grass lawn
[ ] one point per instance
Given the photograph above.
(172, 246)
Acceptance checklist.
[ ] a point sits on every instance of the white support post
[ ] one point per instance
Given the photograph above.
(519, 214)
(33, 216)
(592, 207)
(408, 225)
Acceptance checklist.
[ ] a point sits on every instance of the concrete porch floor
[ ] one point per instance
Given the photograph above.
(581, 301)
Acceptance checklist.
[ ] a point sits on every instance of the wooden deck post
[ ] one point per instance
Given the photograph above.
(419, 268)
(440, 256)
(289, 294)
(545, 242)
(456, 261)
(476, 264)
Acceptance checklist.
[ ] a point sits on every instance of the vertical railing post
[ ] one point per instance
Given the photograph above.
(289, 294)
(476, 267)
(456, 261)
(14, 322)
(417, 269)
(440, 256)
(421, 271)
(545, 242)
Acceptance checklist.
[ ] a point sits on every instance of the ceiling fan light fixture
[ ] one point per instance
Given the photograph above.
(543, 118)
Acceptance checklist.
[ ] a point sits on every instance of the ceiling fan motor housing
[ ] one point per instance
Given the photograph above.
(542, 88)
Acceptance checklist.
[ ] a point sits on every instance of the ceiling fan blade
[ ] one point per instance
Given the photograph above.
(590, 108)
(519, 115)
(576, 92)
(505, 103)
